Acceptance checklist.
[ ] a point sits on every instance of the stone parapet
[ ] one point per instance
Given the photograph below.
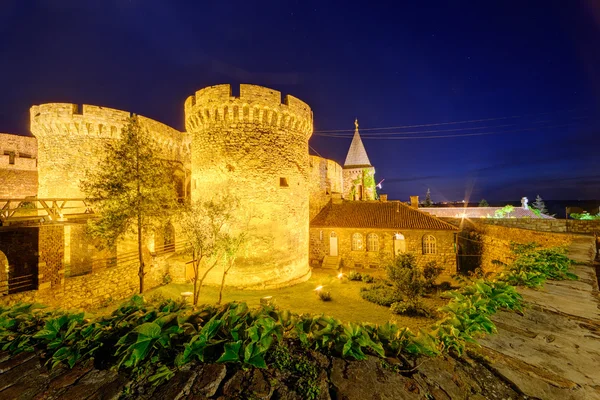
(256, 105)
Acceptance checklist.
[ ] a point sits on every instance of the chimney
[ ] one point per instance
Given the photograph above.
(414, 201)
(383, 198)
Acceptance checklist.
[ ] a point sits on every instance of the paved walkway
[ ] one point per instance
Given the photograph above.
(553, 350)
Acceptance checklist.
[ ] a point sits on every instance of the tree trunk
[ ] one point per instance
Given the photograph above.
(196, 266)
(204, 277)
(222, 284)
(140, 253)
(139, 221)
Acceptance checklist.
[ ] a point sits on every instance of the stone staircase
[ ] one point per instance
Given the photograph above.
(331, 262)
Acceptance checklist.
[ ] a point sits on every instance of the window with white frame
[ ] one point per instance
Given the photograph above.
(372, 242)
(429, 244)
(357, 242)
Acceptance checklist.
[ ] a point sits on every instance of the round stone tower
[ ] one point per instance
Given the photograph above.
(257, 147)
(71, 140)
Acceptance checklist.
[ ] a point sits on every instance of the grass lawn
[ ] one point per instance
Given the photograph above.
(346, 303)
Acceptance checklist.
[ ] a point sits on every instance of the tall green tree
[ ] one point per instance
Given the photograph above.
(484, 203)
(428, 202)
(131, 188)
(539, 205)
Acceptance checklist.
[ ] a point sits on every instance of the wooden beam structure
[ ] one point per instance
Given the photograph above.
(43, 211)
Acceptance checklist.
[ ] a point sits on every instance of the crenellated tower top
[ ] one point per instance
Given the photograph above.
(95, 122)
(258, 105)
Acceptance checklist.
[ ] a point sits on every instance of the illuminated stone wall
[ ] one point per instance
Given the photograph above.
(257, 147)
(548, 225)
(71, 139)
(18, 166)
(492, 242)
(445, 255)
(325, 179)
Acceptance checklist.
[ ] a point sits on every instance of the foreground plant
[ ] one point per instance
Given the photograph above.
(533, 266)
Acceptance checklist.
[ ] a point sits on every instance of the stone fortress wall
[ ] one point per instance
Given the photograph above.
(18, 166)
(71, 139)
(325, 180)
(256, 147)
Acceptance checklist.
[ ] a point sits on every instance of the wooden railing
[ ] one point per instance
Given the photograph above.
(43, 210)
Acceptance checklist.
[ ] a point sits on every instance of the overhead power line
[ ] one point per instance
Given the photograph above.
(472, 121)
(447, 136)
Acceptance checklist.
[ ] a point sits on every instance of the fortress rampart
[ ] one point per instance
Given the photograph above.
(256, 105)
(326, 178)
(18, 166)
(256, 147)
(71, 139)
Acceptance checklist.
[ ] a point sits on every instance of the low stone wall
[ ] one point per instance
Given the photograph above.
(96, 289)
(542, 225)
(491, 243)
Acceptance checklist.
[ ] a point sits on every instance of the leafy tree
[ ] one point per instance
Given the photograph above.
(484, 203)
(204, 225)
(504, 212)
(539, 204)
(428, 202)
(131, 188)
(406, 277)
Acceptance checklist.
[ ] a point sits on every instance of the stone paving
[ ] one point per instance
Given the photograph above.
(553, 350)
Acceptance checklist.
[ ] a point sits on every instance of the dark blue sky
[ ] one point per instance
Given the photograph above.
(532, 66)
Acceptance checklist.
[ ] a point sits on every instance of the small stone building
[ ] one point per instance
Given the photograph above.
(367, 234)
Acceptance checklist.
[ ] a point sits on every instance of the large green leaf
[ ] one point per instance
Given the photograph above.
(148, 329)
(231, 353)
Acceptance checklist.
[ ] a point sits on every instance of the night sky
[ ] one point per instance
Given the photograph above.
(520, 78)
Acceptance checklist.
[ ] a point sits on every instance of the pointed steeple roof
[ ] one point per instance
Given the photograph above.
(357, 155)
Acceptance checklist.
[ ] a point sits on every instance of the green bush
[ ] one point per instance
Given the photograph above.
(324, 296)
(380, 294)
(406, 277)
(368, 279)
(355, 276)
(430, 273)
(411, 309)
(585, 216)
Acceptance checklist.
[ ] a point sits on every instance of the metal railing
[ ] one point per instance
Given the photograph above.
(18, 284)
(129, 258)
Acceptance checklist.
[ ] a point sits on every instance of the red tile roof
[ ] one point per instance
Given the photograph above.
(376, 214)
(479, 212)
